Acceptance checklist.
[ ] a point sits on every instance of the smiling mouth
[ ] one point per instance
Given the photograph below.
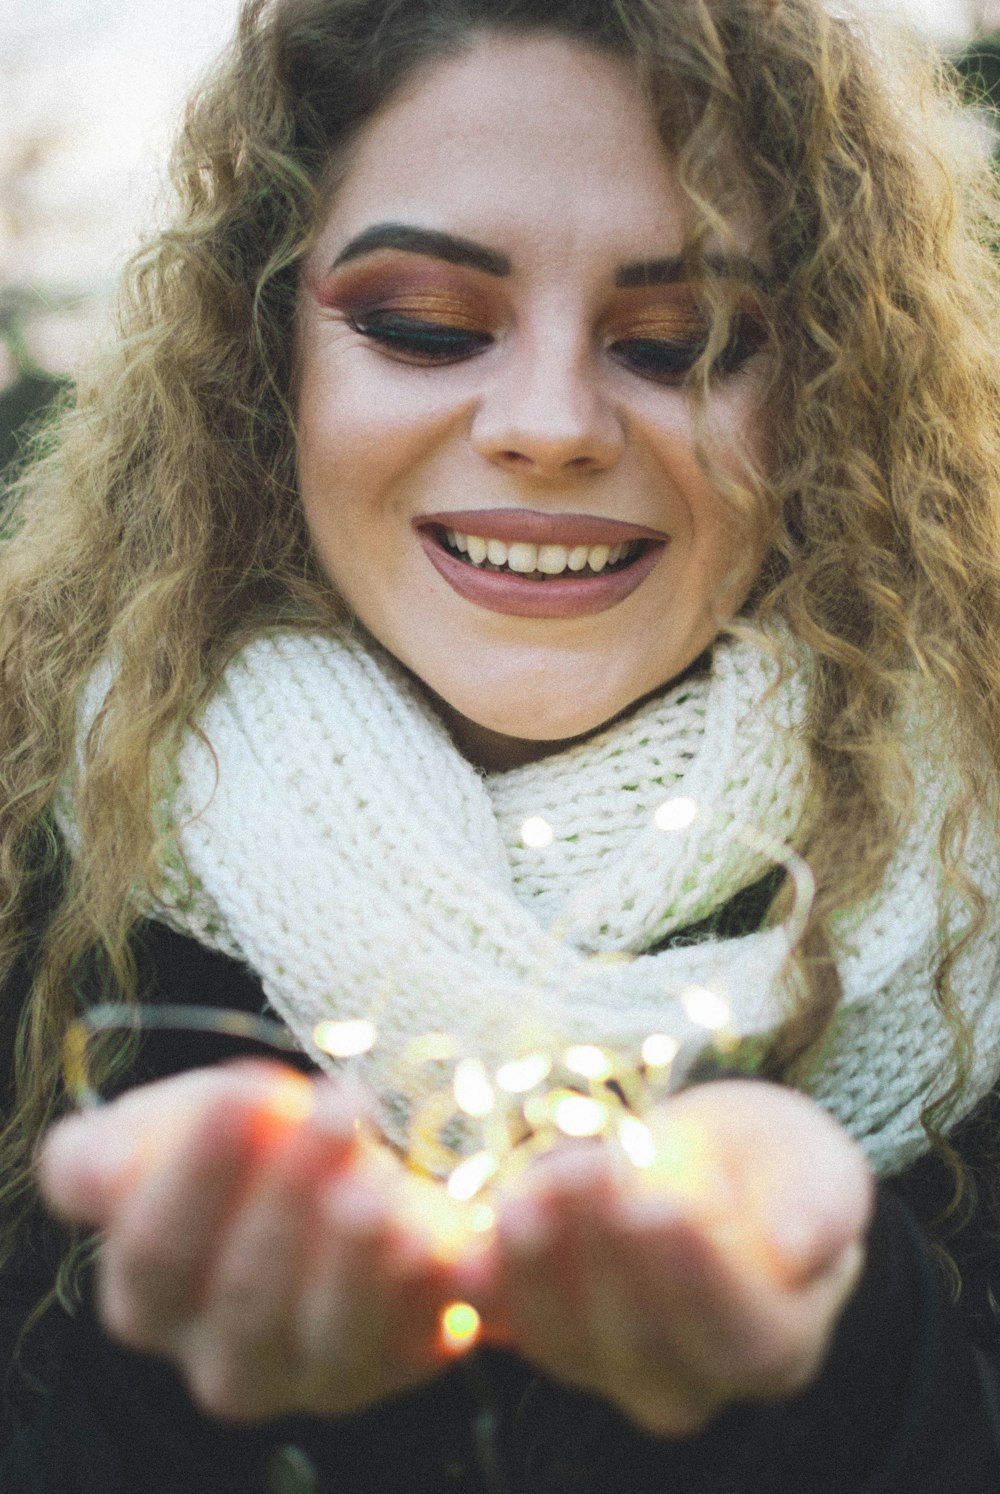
(538, 562)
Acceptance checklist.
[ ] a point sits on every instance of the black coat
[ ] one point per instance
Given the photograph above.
(908, 1401)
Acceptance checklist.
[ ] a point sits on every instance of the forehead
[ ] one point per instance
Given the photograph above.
(518, 140)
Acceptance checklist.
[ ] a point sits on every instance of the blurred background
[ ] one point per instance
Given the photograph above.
(89, 96)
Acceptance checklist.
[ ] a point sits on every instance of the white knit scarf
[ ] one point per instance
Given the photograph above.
(326, 831)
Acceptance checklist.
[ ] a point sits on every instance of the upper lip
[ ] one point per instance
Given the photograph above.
(534, 527)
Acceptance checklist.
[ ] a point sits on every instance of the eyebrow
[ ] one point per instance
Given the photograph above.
(446, 246)
(673, 268)
(456, 250)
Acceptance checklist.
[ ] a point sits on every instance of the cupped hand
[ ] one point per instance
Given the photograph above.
(259, 1237)
(716, 1275)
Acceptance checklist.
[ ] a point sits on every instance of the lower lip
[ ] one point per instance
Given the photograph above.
(573, 596)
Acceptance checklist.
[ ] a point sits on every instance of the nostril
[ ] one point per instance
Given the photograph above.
(512, 458)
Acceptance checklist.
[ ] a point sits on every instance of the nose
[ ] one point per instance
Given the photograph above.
(545, 414)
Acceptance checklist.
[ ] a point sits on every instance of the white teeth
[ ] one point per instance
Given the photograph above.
(523, 558)
(552, 559)
(526, 559)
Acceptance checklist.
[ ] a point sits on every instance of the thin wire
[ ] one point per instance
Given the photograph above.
(110, 1016)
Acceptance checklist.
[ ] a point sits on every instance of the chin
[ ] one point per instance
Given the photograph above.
(556, 721)
(496, 739)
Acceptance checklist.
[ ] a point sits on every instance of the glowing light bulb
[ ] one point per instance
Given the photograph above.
(522, 1074)
(589, 1062)
(345, 1039)
(471, 1175)
(659, 1050)
(537, 833)
(460, 1327)
(706, 1007)
(578, 1115)
(676, 814)
(473, 1090)
(636, 1141)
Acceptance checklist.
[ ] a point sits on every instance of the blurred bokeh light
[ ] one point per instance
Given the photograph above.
(89, 96)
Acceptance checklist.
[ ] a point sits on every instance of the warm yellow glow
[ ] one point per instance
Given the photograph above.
(537, 833)
(659, 1050)
(431, 1047)
(460, 1327)
(676, 814)
(289, 1103)
(291, 1099)
(482, 1218)
(522, 1074)
(345, 1039)
(578, 1115)
(684, 1162)
(636, 1141)
(471, 1175)
(588, 1061)
(706, 1007)
(431, 1214)
(473, 1090)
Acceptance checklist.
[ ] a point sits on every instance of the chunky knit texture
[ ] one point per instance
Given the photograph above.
(326, 831)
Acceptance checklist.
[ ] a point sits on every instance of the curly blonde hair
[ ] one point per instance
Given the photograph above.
(162, 526)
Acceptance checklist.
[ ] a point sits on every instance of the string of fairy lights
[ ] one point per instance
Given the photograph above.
(478, 1123)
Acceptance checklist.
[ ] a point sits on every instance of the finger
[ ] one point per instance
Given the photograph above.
(239, 1348)
(166, 1227)
(367, 1322)
(791, 1180)
(547, 1242)
(162, 1234)
(87, 1160)
(593, 1337)
(729, 1330)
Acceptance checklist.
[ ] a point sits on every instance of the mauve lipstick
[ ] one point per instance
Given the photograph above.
(566, 596)
(537, 528)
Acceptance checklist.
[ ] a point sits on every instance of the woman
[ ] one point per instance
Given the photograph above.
(536, 411)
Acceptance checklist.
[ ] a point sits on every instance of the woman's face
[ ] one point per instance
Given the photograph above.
(497, 462)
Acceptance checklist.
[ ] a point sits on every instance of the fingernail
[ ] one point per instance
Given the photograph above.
(796, 1243)
(81, 1154)
(87, 1140)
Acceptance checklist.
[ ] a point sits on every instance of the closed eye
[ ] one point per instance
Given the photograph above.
(417, 341)
(671, 360)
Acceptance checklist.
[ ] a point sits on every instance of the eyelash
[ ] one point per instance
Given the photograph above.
(433, 344)
(424, 342)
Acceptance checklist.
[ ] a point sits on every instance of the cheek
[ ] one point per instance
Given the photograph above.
(716, 466)
(366, 427)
